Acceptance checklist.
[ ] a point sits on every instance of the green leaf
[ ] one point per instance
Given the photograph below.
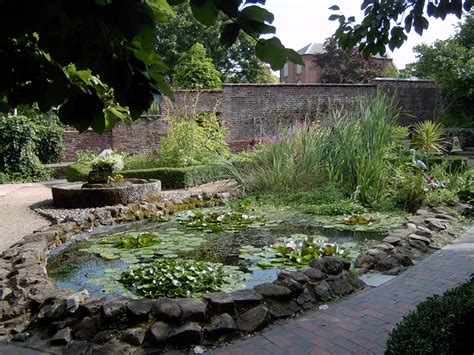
(294, 56)
(161, 9)
(334, 8)
(206, 13)
(255, 13)
(229, 34)
(271, 51)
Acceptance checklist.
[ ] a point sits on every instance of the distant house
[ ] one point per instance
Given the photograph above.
(310, 72)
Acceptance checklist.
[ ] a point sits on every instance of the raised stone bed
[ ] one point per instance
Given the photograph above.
(79, 195)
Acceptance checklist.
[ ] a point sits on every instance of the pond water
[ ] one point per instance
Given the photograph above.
(238, 241)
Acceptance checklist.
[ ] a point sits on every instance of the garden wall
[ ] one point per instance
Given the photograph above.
(252, 110)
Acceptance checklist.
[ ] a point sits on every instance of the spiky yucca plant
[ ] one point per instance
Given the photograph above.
(429, 137)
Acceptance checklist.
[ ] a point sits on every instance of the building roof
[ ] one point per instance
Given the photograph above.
(312, 48)
(318, 48)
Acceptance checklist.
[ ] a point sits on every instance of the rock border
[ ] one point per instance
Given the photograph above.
(35, 310)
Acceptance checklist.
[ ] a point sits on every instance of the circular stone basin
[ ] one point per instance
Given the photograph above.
(80, 195)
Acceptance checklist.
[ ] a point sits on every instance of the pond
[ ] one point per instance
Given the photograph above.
(218, 248)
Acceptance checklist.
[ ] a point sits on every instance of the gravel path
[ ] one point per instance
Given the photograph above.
(16, 217)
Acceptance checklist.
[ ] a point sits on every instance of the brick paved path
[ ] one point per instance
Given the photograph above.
(361, 323)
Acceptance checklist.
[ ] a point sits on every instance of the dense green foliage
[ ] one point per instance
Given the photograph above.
(451, 64)
(237, 63)
(195, 70)
(174, 278)
(346, 66)
(440, 325)
(191, 141)
(26, 143)
(103, 68)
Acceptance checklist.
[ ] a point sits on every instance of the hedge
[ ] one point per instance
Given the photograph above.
(456, 163)
(440, 325)
(171, 178)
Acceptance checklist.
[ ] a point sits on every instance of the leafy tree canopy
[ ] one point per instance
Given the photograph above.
(95, 59)
(389, 21)
(196, 71)
(451, 64)
(340, 65)
(237, 63)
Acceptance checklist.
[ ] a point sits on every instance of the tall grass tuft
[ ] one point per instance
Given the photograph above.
(359, 141)
(292, 163)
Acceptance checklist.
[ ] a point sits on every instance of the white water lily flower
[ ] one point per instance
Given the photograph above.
(291, 245)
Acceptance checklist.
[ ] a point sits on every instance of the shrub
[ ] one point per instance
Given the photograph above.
(19, 150)
(50, 143)
(108, 161)
(409, 185)
(429, 137)
(440, 325)
(192, 140)
(442, 197)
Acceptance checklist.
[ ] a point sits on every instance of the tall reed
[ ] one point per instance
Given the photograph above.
(358, 145)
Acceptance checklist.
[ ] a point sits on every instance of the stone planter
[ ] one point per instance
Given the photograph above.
(77, 195)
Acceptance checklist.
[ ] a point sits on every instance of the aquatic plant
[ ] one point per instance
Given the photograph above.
(135, 241)
(296, 251)
(175, 278)
(215, 222)
(358, 219)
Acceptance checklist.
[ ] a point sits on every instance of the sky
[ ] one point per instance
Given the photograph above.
(300, 22)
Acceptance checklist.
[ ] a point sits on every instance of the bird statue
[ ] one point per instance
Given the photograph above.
(418, 163)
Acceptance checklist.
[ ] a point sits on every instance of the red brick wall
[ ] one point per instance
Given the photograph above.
(250, 110)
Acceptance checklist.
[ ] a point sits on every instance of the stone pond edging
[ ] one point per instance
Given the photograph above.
(34, 309)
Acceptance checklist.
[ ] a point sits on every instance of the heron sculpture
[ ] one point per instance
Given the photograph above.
(416, 162)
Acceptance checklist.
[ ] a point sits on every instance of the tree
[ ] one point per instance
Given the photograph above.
(237, 63)
(196, 71)
(387, 22)
(340, 65)
(95, 59)
(451, 64)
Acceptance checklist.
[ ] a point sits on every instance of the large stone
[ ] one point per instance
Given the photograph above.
(307, 298)
(313, 274)
(282, 309)
(139, 310)
(62, 337)
(340, 286)
(294, 275)
(193, 310)
(418, 244)
(220, 324)
(86, 329)
(331, 265)
(167, 310)
(134, 336)
(365, 261)
(272, 291)
(322, 291)
(295, 287)
(253, 319)
(75, 300)
(103, 336)
(159, 332)
(419, 238)
(220, 302)
(245, 299)
(423, 231)
(113, 309)
(187, 334)
(436, 224)
(83, 348)
(394, 240)
(446, 217)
